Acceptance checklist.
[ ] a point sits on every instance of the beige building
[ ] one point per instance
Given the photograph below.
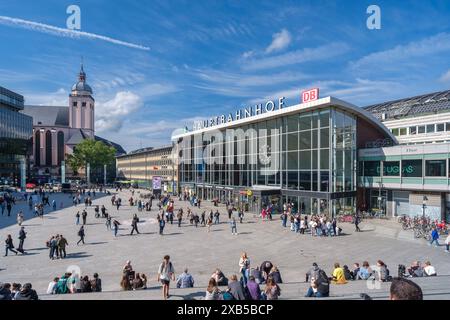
(143, 165)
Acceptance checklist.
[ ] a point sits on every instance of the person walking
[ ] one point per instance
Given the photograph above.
(9, 245)
(166, 272)
(22, 236)
(203, 216)
(216, 217)
(62, 243)
(357, 221)
(233, 226)
(209, 224)
(180, 217)
(244, 267)
(134, 223)
(81, 234)
(108, 223)
(84, 216)
(78, 218)
(162, 224)
(434, 237)
(20, 218)
(116, 225)
(8, 207)
(240, 215)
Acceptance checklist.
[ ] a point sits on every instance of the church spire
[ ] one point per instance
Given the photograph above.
(82, 74)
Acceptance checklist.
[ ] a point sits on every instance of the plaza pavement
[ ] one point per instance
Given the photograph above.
(202, 252)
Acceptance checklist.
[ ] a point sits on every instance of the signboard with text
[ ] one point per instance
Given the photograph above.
(310, 95)
(156, 183)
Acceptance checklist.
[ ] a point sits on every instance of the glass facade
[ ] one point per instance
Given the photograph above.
(311, 159)
(15, 134)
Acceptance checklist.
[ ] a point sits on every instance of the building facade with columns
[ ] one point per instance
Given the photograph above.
(58, 129)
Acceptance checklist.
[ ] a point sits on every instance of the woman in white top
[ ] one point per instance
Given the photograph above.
(166, 272)
(244, 266)
(429, 270)
(52, 286)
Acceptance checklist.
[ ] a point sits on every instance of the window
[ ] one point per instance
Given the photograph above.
(391, 168)
(421, 129)
(372, 168)
(74, 104)
(83, 104)
(413, 130)
(435, 168)
(395, 131)
(440, 127)
(447, 126)
(412, 168)
(403, 131)
(430, 128)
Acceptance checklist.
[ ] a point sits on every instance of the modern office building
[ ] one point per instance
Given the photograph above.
(417, 120)
(16, 130)
(413, 177)
(58, 129)
(307, 155)
(143, 165)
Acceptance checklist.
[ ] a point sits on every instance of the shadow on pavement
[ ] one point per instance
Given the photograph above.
(76, 255)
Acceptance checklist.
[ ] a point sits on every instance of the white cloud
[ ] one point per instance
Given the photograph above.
(239, 80)
(299, 56)
(404, 53)
(111, 114)
(57, 98)
(248, 54)
(280, 41)
(445, 77)
(67, 33)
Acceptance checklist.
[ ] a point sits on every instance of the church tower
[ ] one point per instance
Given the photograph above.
(81, 106)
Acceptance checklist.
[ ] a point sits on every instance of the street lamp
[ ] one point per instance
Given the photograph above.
(424, 204)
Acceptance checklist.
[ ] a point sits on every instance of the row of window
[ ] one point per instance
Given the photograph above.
(15, 125)
(7, 99)
(429, 128)
(83, 104)
(406, 168)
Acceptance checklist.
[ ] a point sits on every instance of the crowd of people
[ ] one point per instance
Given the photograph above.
(259, 282)
(72, 282)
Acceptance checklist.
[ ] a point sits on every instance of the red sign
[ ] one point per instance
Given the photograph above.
(310, 95)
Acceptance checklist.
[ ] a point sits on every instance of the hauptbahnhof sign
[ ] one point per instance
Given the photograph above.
(269, 106)
(244, 113)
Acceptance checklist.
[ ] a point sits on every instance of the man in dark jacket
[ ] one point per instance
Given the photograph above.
(27, 293)
(81, 234)
(313, 272)
(9, 245)
(22, 236)
(5, 292)
(236, 289)
(134, 223)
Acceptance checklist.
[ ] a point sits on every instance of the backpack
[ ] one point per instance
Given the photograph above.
(227, 296)
(61, 286)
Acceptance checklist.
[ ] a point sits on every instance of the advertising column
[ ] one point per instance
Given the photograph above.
(156, 185)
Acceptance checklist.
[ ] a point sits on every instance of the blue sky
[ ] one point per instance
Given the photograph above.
(213, 57)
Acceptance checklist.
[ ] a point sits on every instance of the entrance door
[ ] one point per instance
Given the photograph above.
(401, 200)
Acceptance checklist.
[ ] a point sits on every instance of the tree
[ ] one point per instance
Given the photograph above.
(96, 153)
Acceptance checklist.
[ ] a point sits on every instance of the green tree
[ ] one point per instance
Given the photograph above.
(96, 153)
